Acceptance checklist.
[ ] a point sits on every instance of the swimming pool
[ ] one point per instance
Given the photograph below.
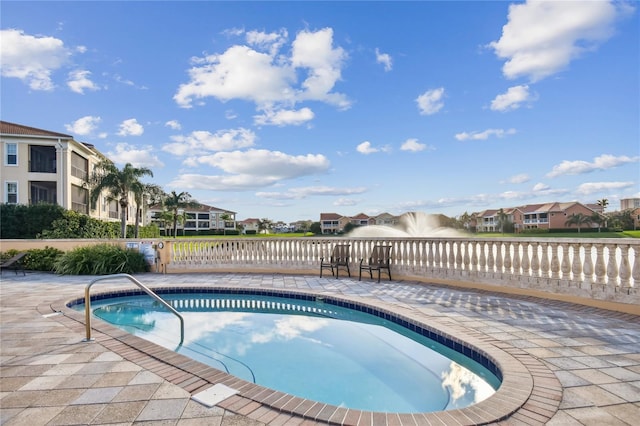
(320, 348)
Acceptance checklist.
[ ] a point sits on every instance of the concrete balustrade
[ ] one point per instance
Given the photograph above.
(604, 269)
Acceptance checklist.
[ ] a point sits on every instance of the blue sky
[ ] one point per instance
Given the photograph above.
(284, 110)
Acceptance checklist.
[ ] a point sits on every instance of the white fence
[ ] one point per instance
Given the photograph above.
(606, 269)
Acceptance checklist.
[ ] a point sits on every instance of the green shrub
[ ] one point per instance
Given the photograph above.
(535, 231)
(76, 225)
(102, 259)
(42, 259)
(20, 221)
(8, 254)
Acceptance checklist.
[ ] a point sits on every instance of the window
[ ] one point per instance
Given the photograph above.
(11, 150)
(79, 199)
(42, 159)
(79, 166)
(11, 192)
(42, 192)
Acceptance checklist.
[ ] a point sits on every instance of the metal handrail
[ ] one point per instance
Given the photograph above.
(87, 302)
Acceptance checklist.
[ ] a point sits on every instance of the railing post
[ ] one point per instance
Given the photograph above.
(625, 270)
(600, 269)
(612, 268)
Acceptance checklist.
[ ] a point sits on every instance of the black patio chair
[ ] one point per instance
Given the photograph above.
(339, 258)
(380, 259)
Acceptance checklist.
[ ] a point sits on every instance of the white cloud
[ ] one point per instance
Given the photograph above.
(304, 192)
(541, 38)
(79, 81)
(284, 117)
(384, 59)
(540, 187)
(251, 169)
(594, 187)
(430, 102)
(84, 126)
(345, 202)
(137, 156)
(271, 42)
(513, 99)
(31, 59)
(266, 78)
(484, 135)
(130, 127)
(173, 124)
(366, 148)
(578, 167)
(202, 142)
(413, 145)
(521, 178)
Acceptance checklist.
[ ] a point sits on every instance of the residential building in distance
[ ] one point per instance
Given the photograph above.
(250, 226)
(201, 219)
(42, 166)
(333, 223)
(532, 216)
(629, 203)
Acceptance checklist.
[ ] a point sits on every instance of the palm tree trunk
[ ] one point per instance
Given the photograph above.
(137, 222)
(123, 222)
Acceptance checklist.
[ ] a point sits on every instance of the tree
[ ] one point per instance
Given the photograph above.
(175, 202)
(118, 184)
(603, 203)
(144, 194)
(597, 219)
(315, 228)
(464, 221)
(503, 220)
(578, 219)
(264, 225)
(225, 217)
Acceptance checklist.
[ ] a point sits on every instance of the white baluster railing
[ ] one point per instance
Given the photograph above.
(603, 268)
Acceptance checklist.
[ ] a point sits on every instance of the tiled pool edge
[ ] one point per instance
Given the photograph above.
(529, 391)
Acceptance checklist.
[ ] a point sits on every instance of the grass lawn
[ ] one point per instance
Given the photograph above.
(621, 234)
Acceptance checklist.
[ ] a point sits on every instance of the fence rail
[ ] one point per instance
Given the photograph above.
(607, 269)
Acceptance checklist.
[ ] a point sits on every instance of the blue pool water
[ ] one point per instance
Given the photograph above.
(310, 349)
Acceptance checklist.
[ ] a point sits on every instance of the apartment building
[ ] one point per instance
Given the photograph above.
(203, 218)
(629, 203)
(532, 216)
(41, 166)
(333, 223)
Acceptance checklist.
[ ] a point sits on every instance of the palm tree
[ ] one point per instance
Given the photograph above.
(225, 217)
(464, 220)
(175, 202)
(146, 194)
(118, 183)
(603, 203)
(578, 219)
(598, 219)
(503, 220)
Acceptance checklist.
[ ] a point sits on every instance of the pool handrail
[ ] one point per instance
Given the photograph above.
(87, 302)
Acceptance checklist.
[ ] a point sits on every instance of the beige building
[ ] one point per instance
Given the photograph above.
(629, 203)
(41, 166)
(552, 215)
(201, 219)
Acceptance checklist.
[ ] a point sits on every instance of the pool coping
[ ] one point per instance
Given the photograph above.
(528, 386)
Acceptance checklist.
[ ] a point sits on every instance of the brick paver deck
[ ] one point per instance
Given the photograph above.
(584, 362)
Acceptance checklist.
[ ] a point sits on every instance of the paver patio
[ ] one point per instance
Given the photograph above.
(50, 376)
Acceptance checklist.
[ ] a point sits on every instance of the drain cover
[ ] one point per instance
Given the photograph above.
(214, 395)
